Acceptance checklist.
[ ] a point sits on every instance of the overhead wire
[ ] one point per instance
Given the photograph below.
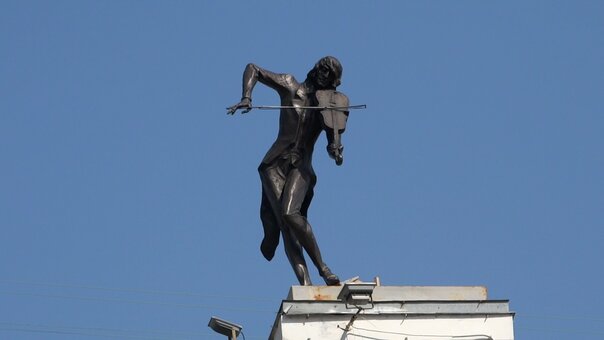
(103, 329)
(520, 316)
(140, 302)
(559, 317)
(153, 334)
(16, 329)
(107, 332)
(142, 291)
(568, 331)
(98, 332)
(451, 337)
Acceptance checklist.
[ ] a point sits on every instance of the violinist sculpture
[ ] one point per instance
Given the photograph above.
(286, 171)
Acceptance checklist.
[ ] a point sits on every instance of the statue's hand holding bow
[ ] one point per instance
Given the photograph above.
(245, 104)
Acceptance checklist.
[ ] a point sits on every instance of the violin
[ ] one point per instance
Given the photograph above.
(333, 106)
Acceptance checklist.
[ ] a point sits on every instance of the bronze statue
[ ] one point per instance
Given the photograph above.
(286, 171)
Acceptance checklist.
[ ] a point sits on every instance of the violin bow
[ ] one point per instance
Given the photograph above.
(338, 108)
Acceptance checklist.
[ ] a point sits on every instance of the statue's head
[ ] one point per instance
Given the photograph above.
(326, 73)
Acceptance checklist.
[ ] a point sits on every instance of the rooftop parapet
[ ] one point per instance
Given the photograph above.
(393, 293)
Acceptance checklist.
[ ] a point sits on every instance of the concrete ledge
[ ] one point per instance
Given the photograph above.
(394, 293)
(407, 308)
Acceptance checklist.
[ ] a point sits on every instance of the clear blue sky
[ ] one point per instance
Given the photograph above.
(129, 200)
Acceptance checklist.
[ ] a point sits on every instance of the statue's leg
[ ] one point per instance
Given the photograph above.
(273, 181)
(294, 192)
(271, 228)
(294, 253)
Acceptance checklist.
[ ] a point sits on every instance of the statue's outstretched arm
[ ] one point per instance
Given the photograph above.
(282, 83)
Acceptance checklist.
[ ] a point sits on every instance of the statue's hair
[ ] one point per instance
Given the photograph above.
(334, 66)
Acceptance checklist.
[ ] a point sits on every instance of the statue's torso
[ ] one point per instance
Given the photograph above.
(298, 128)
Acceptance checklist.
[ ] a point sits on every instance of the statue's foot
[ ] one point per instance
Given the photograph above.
(268, 248)
(330, 278)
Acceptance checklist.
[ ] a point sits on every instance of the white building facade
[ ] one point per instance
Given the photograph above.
(396, 312)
